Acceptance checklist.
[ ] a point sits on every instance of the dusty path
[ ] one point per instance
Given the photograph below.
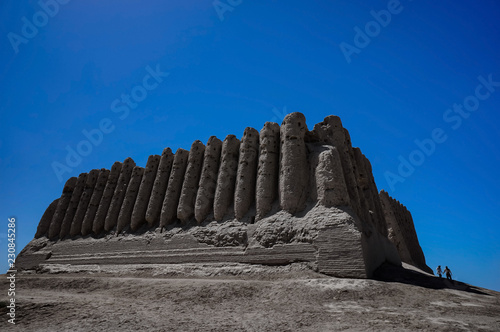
(245, 298)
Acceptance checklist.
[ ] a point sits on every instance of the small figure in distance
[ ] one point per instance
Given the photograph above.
(447, 271)
(438, 271)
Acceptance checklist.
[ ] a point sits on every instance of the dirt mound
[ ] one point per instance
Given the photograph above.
(241, 297)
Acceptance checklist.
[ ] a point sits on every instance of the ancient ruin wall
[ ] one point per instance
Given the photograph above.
(52, 224)
(119, 195)
(125, 215)
(244, 195)
(283, 167)
(294, 174)
(143, 196)
(185, 209)
(83, 204)
(64, 228)
(107, 196)
(268, 169)
(401, 231)
(174, 187)
(208, 179)
(88, 220)
(287, 165)
(159, 186)
(226, 180)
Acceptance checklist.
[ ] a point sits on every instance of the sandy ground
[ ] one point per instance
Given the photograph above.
(236, 297)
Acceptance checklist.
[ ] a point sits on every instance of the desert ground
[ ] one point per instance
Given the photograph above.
(238, 297)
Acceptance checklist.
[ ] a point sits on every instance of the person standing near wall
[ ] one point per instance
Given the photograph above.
(439, 271)
(447, 271)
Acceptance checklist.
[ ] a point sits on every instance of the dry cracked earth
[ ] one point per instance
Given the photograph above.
(237, 297)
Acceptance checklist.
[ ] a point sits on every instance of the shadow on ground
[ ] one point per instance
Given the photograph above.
(391, 273)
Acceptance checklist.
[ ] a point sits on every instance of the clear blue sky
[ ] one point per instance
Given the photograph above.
(251, 63)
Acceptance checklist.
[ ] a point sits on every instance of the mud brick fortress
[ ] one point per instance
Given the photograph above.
(282, 195)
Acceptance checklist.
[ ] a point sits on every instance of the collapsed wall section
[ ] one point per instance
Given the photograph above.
(329, 240)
